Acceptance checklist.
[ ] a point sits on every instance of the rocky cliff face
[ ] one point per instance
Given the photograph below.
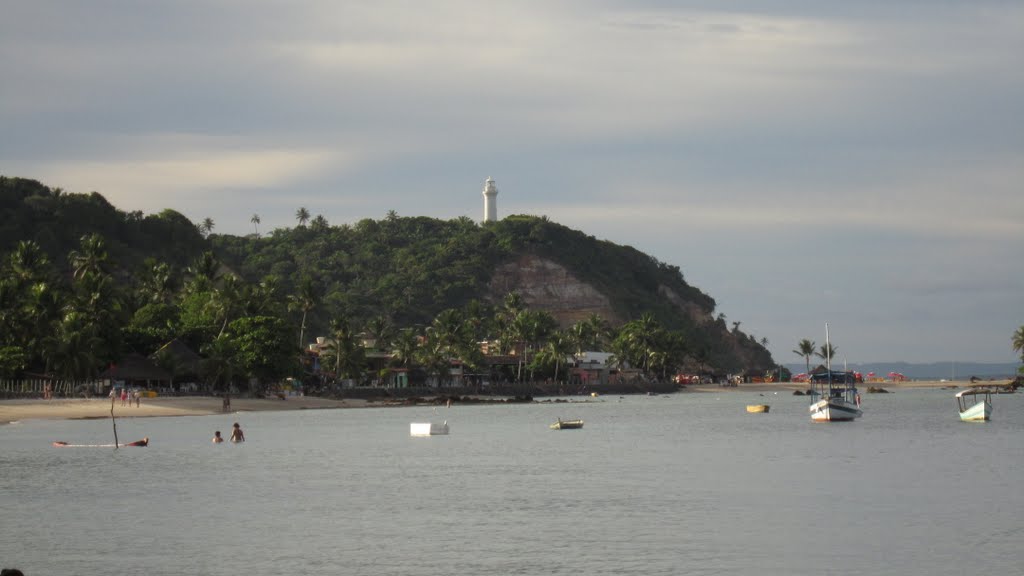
(548, 286)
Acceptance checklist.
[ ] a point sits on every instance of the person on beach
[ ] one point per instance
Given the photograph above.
(236, 433)
(138, 397)
(124, 396)
(217, 439)
(227, 403)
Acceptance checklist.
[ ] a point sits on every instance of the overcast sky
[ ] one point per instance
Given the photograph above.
(803, 162)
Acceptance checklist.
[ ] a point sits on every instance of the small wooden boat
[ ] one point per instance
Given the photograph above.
(142, 443)
(758, 408)
(567, 424)
(428, 429)
(972, 409)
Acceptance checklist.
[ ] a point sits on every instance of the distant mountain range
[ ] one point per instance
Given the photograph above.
(927, 371)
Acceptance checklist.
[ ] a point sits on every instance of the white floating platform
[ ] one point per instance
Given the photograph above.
(428, 429)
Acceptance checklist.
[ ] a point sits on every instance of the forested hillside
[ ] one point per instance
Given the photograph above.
(85, 283)
(56, 221)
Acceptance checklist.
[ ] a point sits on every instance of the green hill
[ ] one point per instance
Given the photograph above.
(171, 281)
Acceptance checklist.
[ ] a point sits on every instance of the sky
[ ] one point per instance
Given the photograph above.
(802, 162)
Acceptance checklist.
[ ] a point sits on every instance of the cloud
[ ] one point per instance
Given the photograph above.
(731, 138)
(163, 170)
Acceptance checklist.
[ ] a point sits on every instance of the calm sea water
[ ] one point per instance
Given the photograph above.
(681, 484)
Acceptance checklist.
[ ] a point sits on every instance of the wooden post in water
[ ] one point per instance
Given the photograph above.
(113, 421)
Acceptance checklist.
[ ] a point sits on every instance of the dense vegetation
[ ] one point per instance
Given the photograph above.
(84, 283)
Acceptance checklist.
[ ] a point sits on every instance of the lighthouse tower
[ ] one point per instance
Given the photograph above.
(490, 201)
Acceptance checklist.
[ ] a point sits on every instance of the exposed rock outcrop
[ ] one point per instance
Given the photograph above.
(549, 286)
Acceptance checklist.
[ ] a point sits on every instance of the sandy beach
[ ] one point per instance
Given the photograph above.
(64, 409)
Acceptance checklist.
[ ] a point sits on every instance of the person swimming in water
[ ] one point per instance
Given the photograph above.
(217, 439)
(236, 433)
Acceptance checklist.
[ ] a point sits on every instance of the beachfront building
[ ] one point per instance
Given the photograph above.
(490, 201)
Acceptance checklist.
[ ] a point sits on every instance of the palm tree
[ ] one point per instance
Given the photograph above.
(228, 299)
(532, 328)
(345, 350)
(806, 349)
(203, 272)
(256, 223)
(638, 339)
(91, 257)
(827, 352)
(221, 362)
(304, 300)
(265, 298)
(589, 334)
(557, 349)
(302, 215)
(1018, 342)
(382, 331)
(404, 346)
(435, 360)
(206, 226)
(70, 351)
(28, 262)
(158, 285)
(598, 330)
(511, 307)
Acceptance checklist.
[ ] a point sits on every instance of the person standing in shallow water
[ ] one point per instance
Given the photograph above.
(236, 433)
(217, 439)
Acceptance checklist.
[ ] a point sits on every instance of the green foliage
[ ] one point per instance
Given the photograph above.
(263, 348)
(1018, 342)
(57, 220)
(84, 283)
(13, 360)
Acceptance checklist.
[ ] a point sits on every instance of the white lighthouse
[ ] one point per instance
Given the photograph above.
(490, 201)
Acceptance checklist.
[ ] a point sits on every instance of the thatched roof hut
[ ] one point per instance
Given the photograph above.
(135, 370)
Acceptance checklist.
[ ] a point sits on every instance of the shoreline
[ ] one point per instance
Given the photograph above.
(889, 386)
(98, 408)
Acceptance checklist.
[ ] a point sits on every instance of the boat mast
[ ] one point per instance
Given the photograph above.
(828, 359)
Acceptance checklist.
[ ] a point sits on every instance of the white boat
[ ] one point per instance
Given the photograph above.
(428, 428)
(972, 409)
(834, 396)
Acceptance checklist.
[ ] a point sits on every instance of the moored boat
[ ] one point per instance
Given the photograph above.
(141, 443)
(834, 396)
(972, 409)
(567, 424)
